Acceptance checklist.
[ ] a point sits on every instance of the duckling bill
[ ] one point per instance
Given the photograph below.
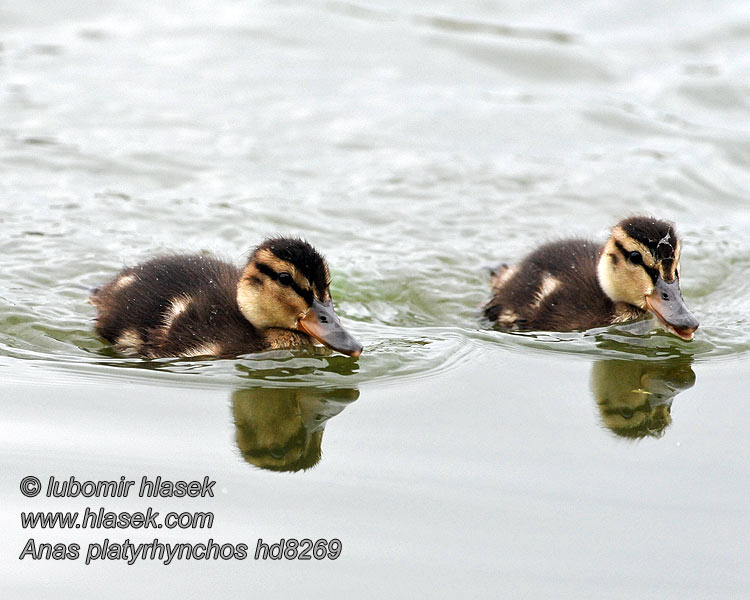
(194, 305)
(577, 284)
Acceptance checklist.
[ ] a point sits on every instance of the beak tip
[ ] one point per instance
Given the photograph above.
(667, 305)
(322, 324)
(684, 333)
(354, 349)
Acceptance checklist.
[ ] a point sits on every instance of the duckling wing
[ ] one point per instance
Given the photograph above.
(499, 275)
(180, 305)
(555, 288)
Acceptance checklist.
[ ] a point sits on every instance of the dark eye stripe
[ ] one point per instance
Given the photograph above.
(306, 295)
(266, 270)
(650, 271)
(670, 271)
(622, 250)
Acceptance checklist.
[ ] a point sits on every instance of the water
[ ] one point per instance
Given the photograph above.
(413, 146)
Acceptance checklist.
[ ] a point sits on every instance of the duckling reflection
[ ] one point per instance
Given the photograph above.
(281, 429)
(635, 396)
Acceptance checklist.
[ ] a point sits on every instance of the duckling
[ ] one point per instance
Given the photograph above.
(194, 305)
(577, 284)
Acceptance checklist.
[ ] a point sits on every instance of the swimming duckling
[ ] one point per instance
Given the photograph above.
(193, 305)
(577, 284)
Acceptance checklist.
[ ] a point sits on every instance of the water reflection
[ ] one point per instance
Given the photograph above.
(281, 428)
(297, 364)
(635, 396)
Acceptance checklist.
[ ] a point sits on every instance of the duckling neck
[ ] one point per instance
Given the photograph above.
(603, 275)
(251, 309)
(623, 311)
(277, 338)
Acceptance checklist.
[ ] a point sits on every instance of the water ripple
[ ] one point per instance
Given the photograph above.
(437, 145)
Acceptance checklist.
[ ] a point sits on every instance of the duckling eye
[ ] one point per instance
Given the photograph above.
(285, 278)
(636, 258)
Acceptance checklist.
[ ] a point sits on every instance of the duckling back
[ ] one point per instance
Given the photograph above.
(180, 305)
(555, 288)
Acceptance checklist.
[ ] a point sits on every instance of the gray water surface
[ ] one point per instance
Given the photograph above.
(414, 146)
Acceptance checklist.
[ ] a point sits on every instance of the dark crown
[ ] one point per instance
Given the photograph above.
(302, 255)
(658, 236)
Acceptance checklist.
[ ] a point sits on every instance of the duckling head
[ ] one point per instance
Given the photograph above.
(286, 284)
(640, 266)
